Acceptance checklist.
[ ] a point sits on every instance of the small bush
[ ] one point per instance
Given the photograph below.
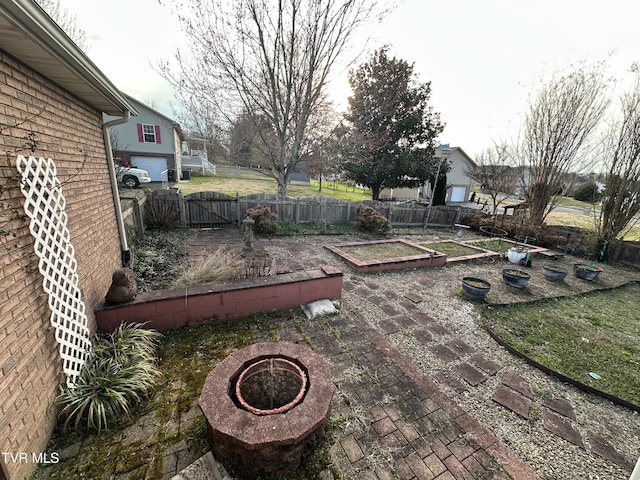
(120, 373)
(266, 220)
(371, 221)
(587, 192)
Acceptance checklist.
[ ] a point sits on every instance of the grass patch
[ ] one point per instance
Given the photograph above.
(493, 245)
(243, 186)
(381, 251)
(595, 332)
(451, 249)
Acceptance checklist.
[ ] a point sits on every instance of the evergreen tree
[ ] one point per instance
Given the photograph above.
(390, 132)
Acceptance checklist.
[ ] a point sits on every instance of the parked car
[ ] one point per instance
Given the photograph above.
(131, 177)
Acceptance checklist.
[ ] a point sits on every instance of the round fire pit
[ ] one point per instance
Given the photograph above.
(267, 407)
(271, 386)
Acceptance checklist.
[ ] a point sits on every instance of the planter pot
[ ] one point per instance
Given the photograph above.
(554, 273)
(585, 272)
(515, 278)
(475, 288)
(514, 256)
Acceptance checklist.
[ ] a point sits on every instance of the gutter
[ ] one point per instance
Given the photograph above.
(127, 259)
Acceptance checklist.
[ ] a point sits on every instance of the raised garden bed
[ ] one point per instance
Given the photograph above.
(386, 255)
(457, 252)
(502, 245)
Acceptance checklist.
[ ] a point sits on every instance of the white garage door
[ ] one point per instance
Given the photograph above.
(458, 194)
(154, 165)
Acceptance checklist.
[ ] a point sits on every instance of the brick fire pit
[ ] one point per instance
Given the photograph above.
(267, 407)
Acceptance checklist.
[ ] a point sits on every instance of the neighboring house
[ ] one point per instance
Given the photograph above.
(458, 182)
(53, 98)
(151, 141)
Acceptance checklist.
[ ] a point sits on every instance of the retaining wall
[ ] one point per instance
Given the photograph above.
(202, 304)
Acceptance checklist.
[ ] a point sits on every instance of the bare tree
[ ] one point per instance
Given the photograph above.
(555, 135)
(621, 155)
(66, 21)
(270, 59)
(494, 172)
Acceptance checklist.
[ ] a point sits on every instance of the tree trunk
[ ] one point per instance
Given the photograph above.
(375, 192)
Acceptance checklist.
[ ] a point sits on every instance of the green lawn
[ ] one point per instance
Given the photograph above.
(595, 333)
(243, 186)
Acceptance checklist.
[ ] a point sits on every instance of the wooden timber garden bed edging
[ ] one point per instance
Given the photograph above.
(423, 257)
(207, 303)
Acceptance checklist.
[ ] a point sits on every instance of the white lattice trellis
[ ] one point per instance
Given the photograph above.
(45, 205)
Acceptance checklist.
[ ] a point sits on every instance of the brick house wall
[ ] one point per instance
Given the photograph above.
(67, 130)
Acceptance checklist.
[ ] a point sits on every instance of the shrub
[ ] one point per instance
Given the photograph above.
(587, 192)
(266, 220)
(371, 221)
(119, 374)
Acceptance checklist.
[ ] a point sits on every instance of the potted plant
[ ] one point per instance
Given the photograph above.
(475, 288)
(515, 278)
(586, 271)
(553, 272)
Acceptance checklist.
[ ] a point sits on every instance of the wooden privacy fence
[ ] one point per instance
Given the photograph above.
(206, 209)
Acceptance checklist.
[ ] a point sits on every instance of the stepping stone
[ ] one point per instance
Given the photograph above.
(512, 400)
(388, 309)
(455, 384)
(459, 346)
(485, 364)
(518, 383)
(561, 406)
(561, 426)
(602, 448)
(471, 375)
(415, 298)
(444, 353)
(422, 335)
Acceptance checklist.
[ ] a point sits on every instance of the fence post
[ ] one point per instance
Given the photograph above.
(238, 214)
(182, 210)
(297, 217)
(348, 212)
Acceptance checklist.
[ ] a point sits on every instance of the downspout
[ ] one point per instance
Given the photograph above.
(126, 256)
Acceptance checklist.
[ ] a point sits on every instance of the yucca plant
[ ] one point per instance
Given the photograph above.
(121, 372)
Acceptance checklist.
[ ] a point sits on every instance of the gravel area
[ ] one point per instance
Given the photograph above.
(551, 456)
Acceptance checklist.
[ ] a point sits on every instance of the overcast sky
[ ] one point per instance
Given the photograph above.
(483, 58)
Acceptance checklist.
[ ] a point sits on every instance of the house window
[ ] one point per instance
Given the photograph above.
(148, 133)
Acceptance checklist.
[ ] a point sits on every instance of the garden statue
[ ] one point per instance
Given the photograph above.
(248, 234)
(123, 286)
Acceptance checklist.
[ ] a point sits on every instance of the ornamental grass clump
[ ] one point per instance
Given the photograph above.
(219, 266)
(120, 373)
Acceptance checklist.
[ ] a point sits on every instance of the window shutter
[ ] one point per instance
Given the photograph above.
(140, 134)
(158, 134)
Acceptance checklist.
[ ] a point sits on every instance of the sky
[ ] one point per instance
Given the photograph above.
(484, 59)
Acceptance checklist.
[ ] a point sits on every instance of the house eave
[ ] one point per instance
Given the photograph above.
(28, 34)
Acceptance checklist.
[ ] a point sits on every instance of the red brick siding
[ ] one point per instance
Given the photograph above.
(66, 129)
